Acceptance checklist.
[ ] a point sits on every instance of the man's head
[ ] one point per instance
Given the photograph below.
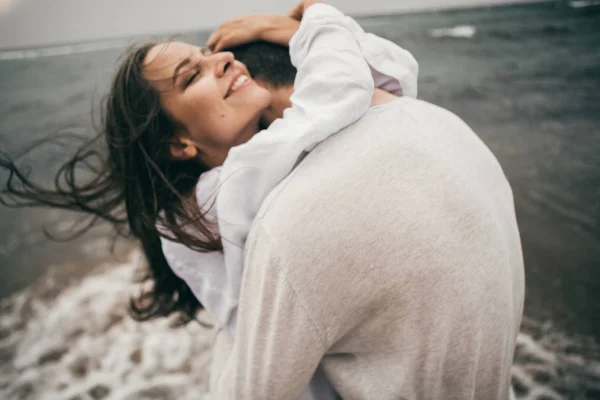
(269, 65)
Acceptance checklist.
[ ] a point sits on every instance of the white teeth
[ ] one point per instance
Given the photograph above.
(238, 82)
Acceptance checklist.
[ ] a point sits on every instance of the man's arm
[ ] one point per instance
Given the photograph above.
(278, 344)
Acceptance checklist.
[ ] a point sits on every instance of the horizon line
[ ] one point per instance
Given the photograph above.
(415, 10)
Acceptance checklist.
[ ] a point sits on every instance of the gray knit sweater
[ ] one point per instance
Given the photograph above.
(391, 255)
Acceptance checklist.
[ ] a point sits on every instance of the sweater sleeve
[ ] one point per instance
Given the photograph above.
(278, 344)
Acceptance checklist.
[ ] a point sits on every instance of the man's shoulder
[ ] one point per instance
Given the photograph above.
(343, 162)
(329, 178)
(396, 154)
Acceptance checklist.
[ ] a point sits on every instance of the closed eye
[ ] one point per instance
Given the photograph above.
(189, 81)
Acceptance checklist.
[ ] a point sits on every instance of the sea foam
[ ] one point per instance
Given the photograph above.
(584, 3)
(459, 31)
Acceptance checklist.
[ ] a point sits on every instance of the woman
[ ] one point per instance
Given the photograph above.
(173, 113)
(151, 173)
(326, 99)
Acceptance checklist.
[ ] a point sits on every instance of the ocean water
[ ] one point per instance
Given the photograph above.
(526, 78)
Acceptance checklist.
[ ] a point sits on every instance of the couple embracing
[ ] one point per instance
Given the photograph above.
(349, 240)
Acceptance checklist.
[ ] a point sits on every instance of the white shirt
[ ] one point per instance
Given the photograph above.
(338, 64)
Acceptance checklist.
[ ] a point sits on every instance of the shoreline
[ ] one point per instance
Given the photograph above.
(122, 39)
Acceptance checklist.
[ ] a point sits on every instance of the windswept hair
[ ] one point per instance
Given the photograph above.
(136, 187)
(133, 183)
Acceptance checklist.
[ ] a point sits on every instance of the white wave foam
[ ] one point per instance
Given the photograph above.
(81, 344)
(582, 4)
(63, 50)
(459, 31)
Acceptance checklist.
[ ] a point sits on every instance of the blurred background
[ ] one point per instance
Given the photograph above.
(525, 76)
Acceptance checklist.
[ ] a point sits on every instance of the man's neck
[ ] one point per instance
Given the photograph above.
(280, 100)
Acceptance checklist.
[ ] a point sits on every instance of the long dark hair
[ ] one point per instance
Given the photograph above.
(136, 188)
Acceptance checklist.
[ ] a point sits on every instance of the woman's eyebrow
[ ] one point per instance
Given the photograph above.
(186, 61)
(183, 63)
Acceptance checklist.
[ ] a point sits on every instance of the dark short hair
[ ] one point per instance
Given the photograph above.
(267, 62)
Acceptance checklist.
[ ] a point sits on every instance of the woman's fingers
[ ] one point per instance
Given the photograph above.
(228, 40)
(243, 30)
(297, 12)
(217, 35)
(228, 34)
(213, 39)
(223, 43)
(238, 31)
(224, 40)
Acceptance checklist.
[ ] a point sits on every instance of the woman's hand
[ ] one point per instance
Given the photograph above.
(268, 27)
(298, 12)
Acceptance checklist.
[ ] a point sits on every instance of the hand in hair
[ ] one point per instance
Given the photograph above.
(298, 12)
(272, 28)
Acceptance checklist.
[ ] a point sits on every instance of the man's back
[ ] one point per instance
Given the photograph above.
(394, 246)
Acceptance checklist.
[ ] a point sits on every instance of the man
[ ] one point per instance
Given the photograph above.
(390, 256)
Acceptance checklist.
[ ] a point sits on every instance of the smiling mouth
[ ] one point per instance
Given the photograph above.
(237, 84)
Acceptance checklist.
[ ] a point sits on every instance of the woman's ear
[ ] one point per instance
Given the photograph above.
(182, 149)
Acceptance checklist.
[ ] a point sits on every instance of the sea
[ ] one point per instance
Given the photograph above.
(526, 78)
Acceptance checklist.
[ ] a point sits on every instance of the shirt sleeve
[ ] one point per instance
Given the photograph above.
(333, 89)
(394, 69)
(205, 272)
(278, 345)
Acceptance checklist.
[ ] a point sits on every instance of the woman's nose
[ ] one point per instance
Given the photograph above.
(223, 61)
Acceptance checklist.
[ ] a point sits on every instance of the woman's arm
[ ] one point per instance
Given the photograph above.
(333, 89)
(267, 27)
(272, 28)
(394, 69)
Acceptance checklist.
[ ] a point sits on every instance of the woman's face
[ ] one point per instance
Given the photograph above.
(211, 98)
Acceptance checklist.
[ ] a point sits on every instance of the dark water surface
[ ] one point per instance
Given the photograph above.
(526, 78)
